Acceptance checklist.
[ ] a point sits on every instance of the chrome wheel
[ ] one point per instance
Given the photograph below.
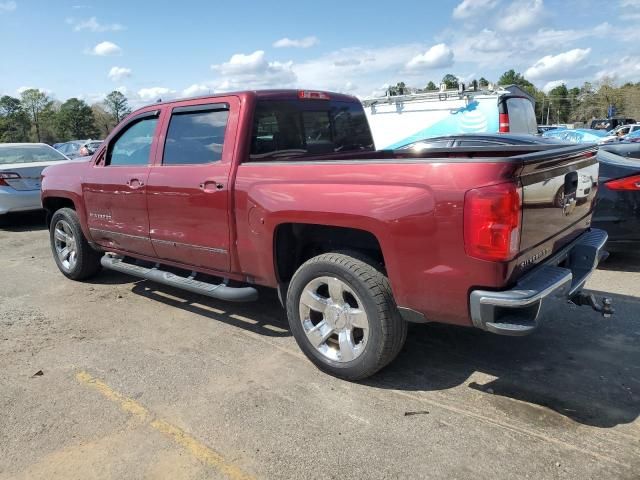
(334, 319)
(65, 245)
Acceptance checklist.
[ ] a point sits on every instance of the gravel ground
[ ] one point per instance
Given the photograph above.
(121, 378)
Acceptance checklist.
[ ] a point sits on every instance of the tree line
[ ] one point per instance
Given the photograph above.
(35, 117)
(560, 104)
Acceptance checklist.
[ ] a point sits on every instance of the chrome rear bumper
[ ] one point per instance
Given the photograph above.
(517, 311)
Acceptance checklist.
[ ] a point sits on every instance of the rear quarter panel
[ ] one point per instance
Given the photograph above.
(413, 208)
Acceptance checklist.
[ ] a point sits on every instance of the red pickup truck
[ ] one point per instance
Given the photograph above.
(285, 189)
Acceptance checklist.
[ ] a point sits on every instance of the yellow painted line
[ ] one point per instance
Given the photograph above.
(194, 447)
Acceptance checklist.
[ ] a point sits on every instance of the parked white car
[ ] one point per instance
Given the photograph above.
(617, 134)
(20, 167)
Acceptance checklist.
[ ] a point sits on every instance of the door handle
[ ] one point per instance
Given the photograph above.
(134, 183)
(207, 186)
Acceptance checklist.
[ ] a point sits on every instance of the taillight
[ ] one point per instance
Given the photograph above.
(492, 221)
(310, 95)
(7, 176)
(627, 183)
(504, 123)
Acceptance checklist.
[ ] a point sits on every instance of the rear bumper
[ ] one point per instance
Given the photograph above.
(12, 200)
(517, 311)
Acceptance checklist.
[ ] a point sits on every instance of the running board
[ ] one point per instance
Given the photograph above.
(220, 291)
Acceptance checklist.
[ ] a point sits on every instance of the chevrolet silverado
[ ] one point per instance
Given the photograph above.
(284, 189)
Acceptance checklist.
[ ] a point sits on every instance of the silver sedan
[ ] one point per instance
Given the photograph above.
(20, 168)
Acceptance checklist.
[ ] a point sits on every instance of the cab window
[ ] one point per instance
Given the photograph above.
(291, 128)
(133, 146)
(195, 137)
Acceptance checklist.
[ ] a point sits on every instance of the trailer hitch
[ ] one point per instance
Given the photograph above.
(589, 299)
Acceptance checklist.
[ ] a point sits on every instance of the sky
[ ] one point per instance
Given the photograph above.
(162, 49)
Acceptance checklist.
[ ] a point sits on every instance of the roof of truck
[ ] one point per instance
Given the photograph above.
(278, 94)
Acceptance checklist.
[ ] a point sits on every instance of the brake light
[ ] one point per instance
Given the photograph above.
(627, 183)
(504, 123)
(7, 176)
(311, 95)
(492, 222)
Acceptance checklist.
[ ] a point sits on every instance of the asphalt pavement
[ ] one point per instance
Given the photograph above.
(123, 378)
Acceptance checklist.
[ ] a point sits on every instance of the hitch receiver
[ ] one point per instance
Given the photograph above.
(589, 299)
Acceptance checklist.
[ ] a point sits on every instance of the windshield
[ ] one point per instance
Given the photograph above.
(29, 154)
(287, 128)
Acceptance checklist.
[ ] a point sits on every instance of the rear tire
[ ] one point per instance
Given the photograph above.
(342, 314)
(76, 259)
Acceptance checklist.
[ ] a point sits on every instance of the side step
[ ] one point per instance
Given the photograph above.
(220, 291)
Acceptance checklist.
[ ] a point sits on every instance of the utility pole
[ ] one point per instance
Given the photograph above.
(548, 108)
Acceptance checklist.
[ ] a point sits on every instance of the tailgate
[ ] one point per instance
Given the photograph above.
(558, 191)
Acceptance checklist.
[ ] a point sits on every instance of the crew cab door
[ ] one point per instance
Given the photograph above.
(188, 188)
(115, 188)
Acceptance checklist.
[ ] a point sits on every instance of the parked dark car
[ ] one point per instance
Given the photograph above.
(629, 149)
(478, 140)
(607, 124)
(618, 208)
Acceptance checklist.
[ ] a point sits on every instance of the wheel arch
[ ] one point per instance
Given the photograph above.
(295, 243)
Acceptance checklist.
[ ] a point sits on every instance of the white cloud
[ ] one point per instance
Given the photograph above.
(8, 6)
(469, 8)
(92, 25)
(438, 56)
(105, 49)
(623, 69)
(521, 14)
(197, 89)
(305, 42)
(630, 3)
(46, 91)
(118, 73)
(152, 94)
(552, 84)
(568, 64)
(253, 71)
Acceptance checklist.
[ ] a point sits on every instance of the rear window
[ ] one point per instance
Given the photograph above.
(29, 154)
(522, 117)
(293, 128)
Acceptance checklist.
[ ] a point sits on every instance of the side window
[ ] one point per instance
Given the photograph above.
(134, 145)
(195, 137)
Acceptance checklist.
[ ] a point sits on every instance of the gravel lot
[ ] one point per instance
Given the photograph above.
(143, 381)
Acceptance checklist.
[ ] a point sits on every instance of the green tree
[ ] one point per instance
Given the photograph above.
(561, 104)
(104, 120)
(14, 121)
(431, 87)
(117, 105)
(450, 80)
(75, 120)
(483, 82)
(511, 77)
(34, 102)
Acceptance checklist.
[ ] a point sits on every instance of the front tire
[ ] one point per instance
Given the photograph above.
(76, 259)
(342, 313)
